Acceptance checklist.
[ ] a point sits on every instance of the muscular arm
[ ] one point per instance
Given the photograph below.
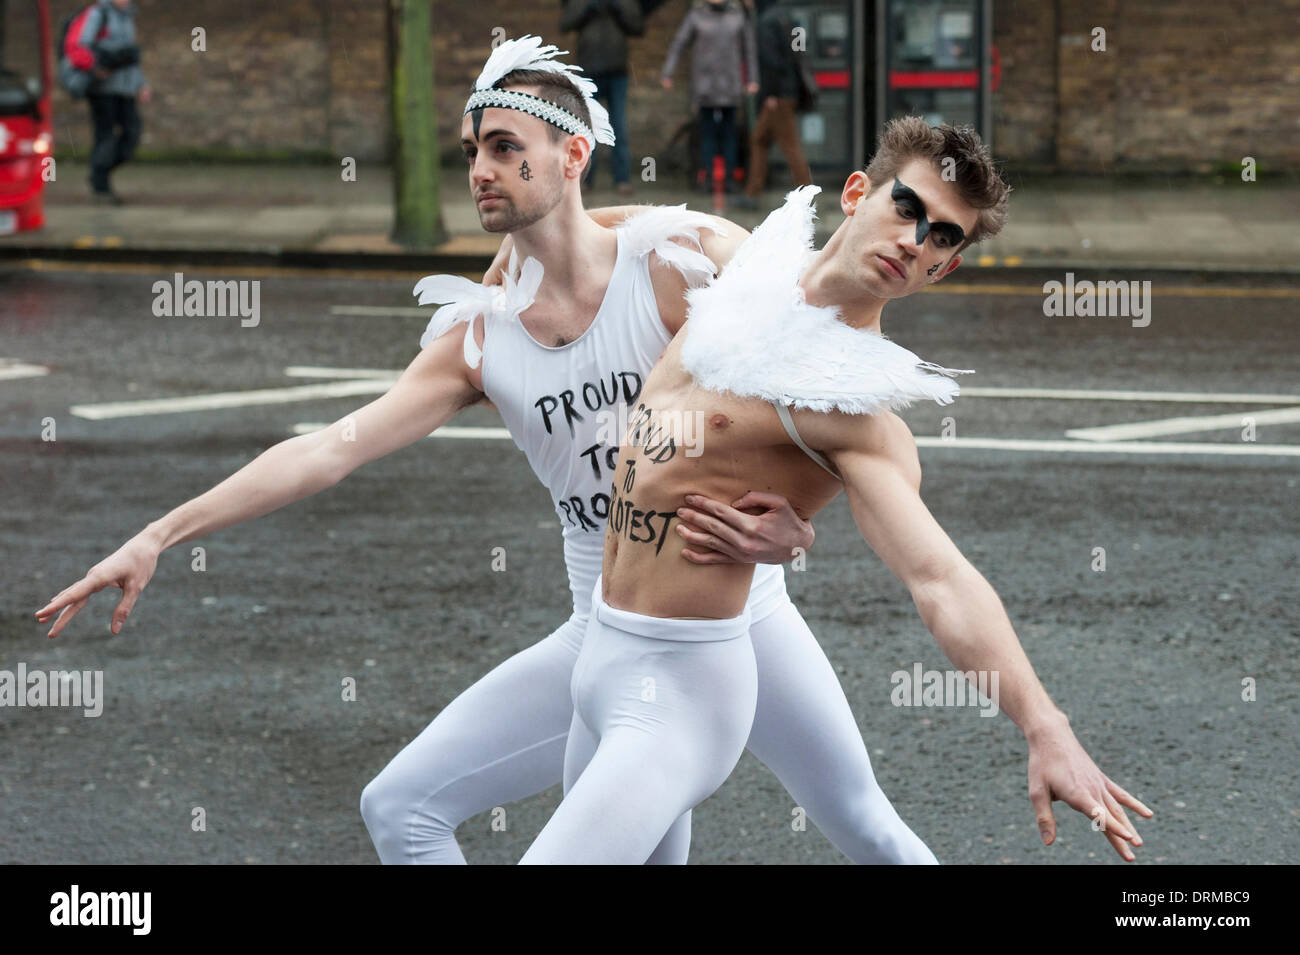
(428, 393)
(954, 600)
(431, 389)
(882, 480)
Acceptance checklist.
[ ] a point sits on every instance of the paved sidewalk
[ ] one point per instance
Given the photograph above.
(306, 214)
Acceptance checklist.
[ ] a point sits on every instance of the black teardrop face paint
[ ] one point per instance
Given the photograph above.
(952, 233)
(477, 116)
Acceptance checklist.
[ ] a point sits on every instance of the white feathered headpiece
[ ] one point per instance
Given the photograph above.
(527, 53)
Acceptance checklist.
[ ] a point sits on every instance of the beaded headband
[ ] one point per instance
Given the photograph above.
(527, 53)
(553, 113)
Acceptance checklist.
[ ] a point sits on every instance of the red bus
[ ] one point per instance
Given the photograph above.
(26, 122)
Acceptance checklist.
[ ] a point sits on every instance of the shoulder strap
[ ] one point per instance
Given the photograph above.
(787, 422)
(474, 354)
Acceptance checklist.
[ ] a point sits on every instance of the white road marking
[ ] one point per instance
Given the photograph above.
(447, 431)
(1185, 425)
(382, 311)
(320, 371)
(1110, 447)
(13, 368)
(993, 444)
(1190, 397)
(1067, 394)
(229, 399)
(1064, 394)
(1181, 291)
(361, 381)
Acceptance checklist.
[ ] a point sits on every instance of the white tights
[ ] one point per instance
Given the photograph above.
(504, 739)
(662, 710)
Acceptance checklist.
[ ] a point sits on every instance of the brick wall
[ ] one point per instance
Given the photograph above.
(1181, 84)
(289, 77)
(1024, 105)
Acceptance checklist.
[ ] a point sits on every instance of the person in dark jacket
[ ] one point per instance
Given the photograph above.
(603, 28)
(778, 83)
(117, 82)
(724, 47)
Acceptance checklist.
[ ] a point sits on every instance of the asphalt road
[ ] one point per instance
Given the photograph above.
(223, 690)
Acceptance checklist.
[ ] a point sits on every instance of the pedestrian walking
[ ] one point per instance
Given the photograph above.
(117, 82)
(723, 39)
(780, 86)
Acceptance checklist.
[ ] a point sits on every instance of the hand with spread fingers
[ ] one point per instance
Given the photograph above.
(1059, 768)
(129, 568)
(758, 528)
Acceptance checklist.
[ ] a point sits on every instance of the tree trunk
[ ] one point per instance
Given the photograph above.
(417, 206)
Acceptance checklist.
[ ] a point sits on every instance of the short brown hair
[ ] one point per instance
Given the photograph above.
(555, 88)
(978, 181)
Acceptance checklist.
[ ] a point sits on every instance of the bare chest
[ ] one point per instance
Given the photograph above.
(554, 327)
(549, 327)
(672, 402)
(683, 437)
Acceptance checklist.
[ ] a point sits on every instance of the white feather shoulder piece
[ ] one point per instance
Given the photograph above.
(650, 231)
(464, 300)
(750, 332)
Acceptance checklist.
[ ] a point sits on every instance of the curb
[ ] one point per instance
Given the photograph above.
(428, 262)
(432, 261)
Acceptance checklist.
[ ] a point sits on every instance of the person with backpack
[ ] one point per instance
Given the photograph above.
(99, 58)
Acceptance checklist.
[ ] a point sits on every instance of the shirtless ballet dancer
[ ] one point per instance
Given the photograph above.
(783, 358)
(560, 361)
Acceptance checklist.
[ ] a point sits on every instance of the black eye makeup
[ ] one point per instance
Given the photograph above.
(947, 235)
(501, 147)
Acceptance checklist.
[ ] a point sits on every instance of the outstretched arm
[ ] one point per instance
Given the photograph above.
(881, 478)
(429, 392)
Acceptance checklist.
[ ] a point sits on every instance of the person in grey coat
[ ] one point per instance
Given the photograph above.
(117, 82)
(603, 28)
(723, 39)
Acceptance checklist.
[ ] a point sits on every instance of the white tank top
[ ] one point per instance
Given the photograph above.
(566, 407)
